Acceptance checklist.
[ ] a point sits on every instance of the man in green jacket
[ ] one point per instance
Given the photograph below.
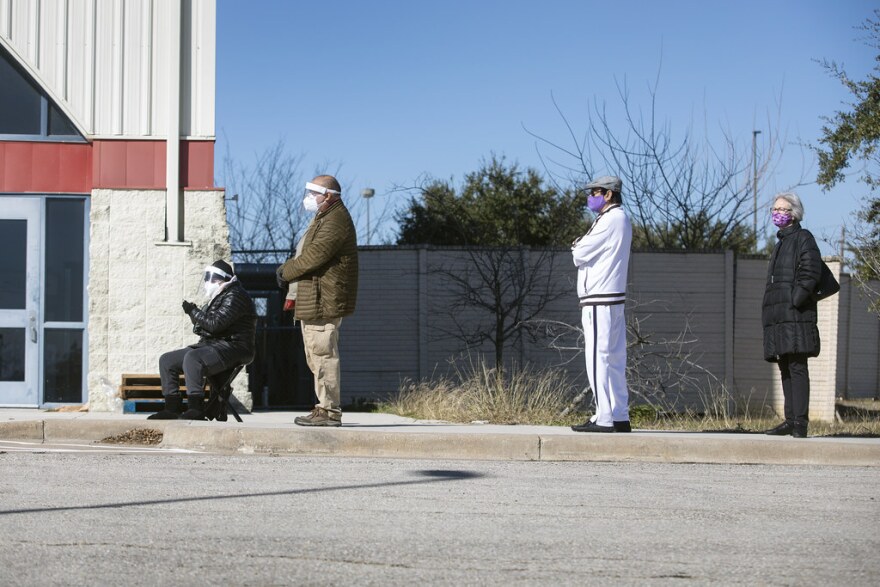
(326, 276)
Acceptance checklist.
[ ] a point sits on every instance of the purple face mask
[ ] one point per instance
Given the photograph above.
(596, 203)
(781, 219)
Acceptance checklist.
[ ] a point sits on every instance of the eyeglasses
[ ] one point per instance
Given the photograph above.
(782, 210)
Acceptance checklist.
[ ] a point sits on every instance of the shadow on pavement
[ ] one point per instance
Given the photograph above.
(430, 476)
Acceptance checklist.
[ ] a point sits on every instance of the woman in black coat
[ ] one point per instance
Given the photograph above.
(789, 314)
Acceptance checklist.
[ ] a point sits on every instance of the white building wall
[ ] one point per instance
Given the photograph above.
(137, 282)
(103, 61)
(823, 369)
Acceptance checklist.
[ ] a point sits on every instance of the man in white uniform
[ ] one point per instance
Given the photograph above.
(602, 259)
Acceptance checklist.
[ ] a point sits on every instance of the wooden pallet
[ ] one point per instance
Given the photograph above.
(142, 392)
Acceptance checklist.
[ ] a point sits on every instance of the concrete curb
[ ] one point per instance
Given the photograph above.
(25, 430)
(712, 448)
(464, 442)
(94, 430)
(356, 443)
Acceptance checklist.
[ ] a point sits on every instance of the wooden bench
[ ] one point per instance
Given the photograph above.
(142, 392)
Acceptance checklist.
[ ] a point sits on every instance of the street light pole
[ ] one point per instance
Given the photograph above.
(368, 193)
(755, 134)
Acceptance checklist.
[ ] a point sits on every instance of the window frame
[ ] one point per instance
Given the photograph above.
(45, 101)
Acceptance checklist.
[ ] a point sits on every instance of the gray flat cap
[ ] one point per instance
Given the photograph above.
(607, 182)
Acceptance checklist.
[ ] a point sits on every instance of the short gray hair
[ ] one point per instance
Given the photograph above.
(797, 208)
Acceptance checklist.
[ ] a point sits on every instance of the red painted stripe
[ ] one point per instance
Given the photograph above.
(45, 167)
(115, 164)
(197, 164)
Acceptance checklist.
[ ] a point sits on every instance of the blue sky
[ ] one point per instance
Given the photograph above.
(391, 91)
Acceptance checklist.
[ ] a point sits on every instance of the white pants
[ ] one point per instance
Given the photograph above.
(605, 344)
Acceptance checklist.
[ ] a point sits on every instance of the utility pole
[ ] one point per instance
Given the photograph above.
(755, 134)
(368, 193)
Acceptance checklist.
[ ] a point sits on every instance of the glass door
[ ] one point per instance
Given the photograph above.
(19, 301)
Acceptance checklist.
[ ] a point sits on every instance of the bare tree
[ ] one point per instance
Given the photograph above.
(682, 191)
(264, 209)
(494, 293)
(864, 246)
(505, 219)
(659, 371)
(264, 205)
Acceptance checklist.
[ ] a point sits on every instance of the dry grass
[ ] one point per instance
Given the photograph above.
(146, 436)
(524, 396)
(518, 396)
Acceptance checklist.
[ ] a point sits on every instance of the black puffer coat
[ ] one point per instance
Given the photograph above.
(229, 324)
(789, 311)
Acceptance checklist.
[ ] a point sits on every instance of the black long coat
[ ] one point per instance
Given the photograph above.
(228, 323)
(789, 311)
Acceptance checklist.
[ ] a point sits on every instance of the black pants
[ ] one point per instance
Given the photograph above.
(196, 363)
(795, 387)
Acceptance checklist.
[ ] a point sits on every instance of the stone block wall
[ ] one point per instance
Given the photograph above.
(137, 282)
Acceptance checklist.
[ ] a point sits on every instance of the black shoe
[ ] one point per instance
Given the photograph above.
(592, 427)
(799, 430)
(171, 411)
(784, 429)
(622, 426)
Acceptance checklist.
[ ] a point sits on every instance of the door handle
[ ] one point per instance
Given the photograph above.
(33, 328)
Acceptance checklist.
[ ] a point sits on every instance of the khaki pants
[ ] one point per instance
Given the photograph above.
(321, 341)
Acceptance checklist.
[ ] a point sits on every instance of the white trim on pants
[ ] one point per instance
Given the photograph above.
(605, 351)
(321, 342)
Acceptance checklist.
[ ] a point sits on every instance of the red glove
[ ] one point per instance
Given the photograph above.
(289, 305)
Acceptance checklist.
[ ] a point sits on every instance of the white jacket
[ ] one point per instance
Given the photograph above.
(602, 259)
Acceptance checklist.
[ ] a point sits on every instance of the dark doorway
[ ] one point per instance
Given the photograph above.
(279, 377)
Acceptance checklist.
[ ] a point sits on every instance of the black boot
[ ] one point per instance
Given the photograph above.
(784, 429)
(799, 430)
(171, 411)
(196, 404)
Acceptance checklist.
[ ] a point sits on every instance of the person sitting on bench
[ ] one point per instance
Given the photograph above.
(226, 326)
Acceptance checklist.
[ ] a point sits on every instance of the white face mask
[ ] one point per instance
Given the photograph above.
(212, 288)
(310, 203)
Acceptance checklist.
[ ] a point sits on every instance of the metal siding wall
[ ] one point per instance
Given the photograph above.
(753, 376)
(674, 291)
(81, 63)
(52, 36)
(160, 57)
(198, 54)
(136, 71)
(103, 60)
(558, 270)
(387, 337)
(5, 18)
(187, 88)
(26, 25)
(381, 342)
(103, 66)
(377, 342)
(864, 356)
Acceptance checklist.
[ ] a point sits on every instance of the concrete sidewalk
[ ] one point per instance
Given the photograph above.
(384, 435)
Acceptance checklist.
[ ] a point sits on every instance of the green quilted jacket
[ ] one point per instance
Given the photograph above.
(326, 272)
